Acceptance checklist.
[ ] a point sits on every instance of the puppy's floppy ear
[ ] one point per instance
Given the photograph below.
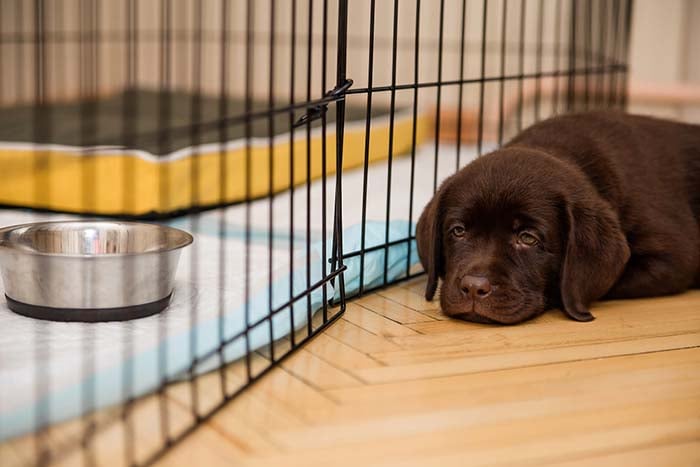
(429, 241)
(595, 255)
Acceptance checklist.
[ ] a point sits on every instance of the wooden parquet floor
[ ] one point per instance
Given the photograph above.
(395, 383)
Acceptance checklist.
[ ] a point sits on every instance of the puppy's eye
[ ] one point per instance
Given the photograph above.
(457, 231)
(527, 239)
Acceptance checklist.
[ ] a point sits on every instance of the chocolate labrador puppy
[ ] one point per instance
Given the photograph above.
(574, 209)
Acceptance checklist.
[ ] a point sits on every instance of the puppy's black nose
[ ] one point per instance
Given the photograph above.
(475, 287)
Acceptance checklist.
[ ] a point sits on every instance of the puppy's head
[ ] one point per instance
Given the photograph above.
(517, 231)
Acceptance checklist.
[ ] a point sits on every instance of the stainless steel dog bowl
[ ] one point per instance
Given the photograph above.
(89, 270)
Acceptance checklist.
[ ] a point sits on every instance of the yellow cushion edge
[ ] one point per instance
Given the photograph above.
(122, 184)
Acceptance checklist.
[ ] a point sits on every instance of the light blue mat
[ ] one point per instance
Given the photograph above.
(175, 353)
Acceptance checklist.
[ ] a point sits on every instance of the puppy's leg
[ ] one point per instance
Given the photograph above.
(652, 275)
(662, 263)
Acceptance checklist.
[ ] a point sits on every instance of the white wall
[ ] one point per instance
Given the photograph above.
(665, 50)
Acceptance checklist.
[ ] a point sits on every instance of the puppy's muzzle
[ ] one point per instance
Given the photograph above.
(475, 287)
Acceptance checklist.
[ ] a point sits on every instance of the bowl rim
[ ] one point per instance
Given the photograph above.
(185, 241)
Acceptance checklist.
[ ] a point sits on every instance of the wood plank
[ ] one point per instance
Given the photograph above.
(358, 338)
(675, 454)
(623, 321)
(390, 421)
(317, 372)
(500, 384)
(375, 323)
(339, 354)
(293, 394)
(393, 310)
(417, 285)
(414, 301)
(497, 361)
(205, 447)
(533, 439)
(625, 313)
(512, 394)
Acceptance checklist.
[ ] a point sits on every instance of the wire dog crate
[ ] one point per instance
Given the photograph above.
(298, 141)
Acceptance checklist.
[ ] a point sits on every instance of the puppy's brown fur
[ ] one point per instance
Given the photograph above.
(611, 200)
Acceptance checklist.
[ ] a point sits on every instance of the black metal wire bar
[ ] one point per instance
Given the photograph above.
(439, 94)
(60, 55)
(195, 141)
(223, 182)
(88, 13)
(538, 59)
(129, 109)
(521, 65)
(164, 115)
(460, 92)
(368, 127)
(248, 77)
(341, 79)
(482, 80)
(557, 55)
(292, 83)
(271, 172)
(602, 33)
(587, 57)
(392, 115)
(309, 54)
(604, 54)
(19, 55)
(324, 163)
(41, 76)
(571, 84)
(41, 134)
(627, 32)
(502, 84)
(414, 125)
(612, 100)
(619, 43)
